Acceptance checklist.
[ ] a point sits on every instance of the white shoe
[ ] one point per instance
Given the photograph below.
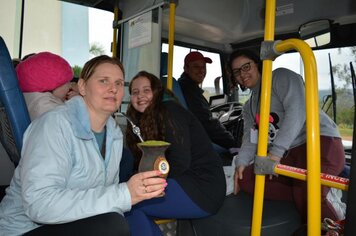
(334, 197)
(229, 176)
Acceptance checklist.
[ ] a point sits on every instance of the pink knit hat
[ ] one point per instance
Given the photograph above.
(43, 72)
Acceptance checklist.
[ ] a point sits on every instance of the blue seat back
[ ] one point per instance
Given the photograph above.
(176, 90)
(164, 65)
(175, 85)
(14, 114)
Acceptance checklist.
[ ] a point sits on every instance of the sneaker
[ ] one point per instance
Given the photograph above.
(334, 197)
(229, 176)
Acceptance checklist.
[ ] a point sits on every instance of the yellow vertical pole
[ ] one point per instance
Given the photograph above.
(264, 116)
(171, 29)
(313, 132)
(114, 40)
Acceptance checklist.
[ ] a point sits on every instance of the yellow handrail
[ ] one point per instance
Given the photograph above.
(312, 120)
(264, 115)
(171, 29)
(301, 174)
(313, 131)
(114, 40)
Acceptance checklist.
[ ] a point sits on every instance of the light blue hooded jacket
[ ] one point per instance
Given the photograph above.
(62, 176)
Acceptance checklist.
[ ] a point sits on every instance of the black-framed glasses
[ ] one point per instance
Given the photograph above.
(245, 68)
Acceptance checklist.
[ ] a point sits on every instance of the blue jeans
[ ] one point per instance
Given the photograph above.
(175, 204)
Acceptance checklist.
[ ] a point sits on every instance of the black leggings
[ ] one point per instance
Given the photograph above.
(104, 225)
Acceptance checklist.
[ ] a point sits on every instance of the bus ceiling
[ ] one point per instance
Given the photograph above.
(107, 5)
(227, 24)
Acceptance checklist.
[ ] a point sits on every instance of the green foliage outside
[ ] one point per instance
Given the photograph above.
(344, 113)
(345, 107)
(77, 69)
(96, 49)
(346, 132)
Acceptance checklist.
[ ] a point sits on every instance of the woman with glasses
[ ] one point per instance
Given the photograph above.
(287, 135)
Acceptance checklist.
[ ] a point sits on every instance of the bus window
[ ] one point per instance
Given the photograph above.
(340, 59)
(72, 31)
(75, 32)
(213, 83)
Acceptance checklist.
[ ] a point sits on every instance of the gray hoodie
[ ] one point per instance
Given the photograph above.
(287, 117)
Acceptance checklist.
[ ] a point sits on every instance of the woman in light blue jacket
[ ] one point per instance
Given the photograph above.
(67, 181)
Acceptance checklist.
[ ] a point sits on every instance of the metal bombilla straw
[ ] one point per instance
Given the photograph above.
(153, 157)
(135, 129)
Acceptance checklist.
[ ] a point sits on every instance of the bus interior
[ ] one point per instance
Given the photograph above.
(155, 35)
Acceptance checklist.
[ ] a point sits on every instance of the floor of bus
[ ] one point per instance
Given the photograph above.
(169, 229)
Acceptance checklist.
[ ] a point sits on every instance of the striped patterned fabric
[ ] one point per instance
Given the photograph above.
(7, 138)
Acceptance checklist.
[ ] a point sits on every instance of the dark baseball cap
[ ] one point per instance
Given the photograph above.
(196, 56)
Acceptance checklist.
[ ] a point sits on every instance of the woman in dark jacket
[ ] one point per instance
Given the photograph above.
(196, 183)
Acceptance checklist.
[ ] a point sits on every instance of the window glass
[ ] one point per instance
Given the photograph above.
(10, 17)
(75, 32)
(340, 59)
(213, 70)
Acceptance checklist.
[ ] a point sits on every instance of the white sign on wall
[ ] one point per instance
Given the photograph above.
(140, 30)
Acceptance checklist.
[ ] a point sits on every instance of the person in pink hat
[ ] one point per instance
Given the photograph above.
(44, 79)
(190, 80)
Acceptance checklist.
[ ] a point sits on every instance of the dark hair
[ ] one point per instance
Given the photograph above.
(243, 53)
(15, 62)
(151, 121)
(92, 64)
(27, 56)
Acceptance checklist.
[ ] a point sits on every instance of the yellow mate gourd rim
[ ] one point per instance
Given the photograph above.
(153, 143)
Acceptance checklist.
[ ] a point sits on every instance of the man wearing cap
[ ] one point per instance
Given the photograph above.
(193, 75)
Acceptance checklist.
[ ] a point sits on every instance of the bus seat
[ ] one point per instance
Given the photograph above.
(235, 218)
(14, 117)
(164, 65)
(175, 86)
(345, 172)
(13, 110)
(176, 90)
